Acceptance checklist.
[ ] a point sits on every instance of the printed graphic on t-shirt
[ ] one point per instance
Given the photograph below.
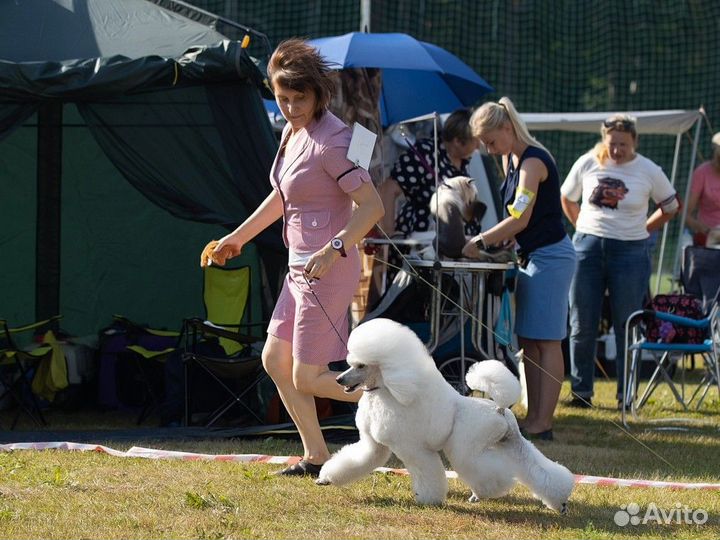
(608, 193)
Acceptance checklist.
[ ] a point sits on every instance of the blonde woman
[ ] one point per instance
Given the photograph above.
(533, 221)
(612, 228)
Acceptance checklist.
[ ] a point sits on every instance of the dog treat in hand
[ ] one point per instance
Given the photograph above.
(208, 257)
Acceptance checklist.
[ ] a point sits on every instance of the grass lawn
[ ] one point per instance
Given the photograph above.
(59, 494)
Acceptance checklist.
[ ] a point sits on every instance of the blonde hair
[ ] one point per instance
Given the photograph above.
(617, 122)
(493, 115)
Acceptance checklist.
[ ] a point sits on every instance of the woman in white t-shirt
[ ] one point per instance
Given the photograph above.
(612, 227)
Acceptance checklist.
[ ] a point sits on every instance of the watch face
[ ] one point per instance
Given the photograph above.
(336, 243)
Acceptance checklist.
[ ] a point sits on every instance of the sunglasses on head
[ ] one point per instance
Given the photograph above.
(624, 125)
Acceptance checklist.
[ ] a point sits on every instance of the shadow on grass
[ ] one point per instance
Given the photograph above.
(516, 510)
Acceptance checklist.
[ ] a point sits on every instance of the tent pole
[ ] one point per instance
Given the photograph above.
(673, 175)
(691, 169)
(49, 186)
(437, 188)
(365, 6)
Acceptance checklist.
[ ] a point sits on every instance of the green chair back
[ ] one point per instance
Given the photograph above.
(225, 293)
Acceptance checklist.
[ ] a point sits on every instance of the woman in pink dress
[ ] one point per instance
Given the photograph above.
(327, 205)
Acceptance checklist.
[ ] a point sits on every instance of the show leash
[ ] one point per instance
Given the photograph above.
(332, 323)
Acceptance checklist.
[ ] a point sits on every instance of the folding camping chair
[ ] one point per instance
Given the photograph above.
(19, 361)
(700, 278)
(221, 345)
(139, 374)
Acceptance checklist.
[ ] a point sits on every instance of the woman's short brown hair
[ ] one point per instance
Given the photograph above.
(457, 126)
(297, 65)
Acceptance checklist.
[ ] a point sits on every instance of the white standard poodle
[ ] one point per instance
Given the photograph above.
(409, 409)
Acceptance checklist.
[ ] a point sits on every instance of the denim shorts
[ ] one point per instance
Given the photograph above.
(541, 295)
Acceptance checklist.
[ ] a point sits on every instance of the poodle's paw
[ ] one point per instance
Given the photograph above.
(324, 478)
(561, 508)
(332, 472)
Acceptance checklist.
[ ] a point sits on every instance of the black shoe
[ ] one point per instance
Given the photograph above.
(620, 405)
(301, 468)
(546, 435)
(580, 402)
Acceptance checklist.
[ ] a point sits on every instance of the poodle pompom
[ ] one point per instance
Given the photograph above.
(493, 378)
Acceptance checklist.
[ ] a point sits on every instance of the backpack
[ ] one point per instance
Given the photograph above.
(682, 305)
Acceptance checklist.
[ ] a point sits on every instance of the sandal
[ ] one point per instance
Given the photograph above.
(301, 468)
(546, 435)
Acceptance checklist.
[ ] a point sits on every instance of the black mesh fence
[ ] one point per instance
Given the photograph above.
(547, 55)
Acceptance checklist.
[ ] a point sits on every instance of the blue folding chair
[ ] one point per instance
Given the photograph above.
(668, 357)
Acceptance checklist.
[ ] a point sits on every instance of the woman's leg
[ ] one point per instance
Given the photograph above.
(531, 363)
(298, 384)
(544, 378)
(628, 264)
(278, 362)
(320, 381)
(586, 296)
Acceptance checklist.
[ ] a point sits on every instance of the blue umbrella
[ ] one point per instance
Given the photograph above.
(417, 77)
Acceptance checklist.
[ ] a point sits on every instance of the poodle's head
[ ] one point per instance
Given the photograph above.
(385, 354)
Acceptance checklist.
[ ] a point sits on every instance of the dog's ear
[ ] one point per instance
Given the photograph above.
(404, 363)
(403, 382)
(404, 391)
(478, 209)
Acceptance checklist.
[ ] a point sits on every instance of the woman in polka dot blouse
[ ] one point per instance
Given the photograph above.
(414, 176)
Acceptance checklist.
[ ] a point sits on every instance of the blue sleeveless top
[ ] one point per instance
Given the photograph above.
(545, 226)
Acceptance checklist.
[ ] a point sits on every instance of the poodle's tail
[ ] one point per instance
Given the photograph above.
(493, 378)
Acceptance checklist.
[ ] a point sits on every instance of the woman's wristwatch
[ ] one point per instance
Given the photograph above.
(338, 245)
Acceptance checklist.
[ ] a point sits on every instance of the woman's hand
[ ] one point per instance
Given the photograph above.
(228, 247)
(471, 249)
(320, 262)
(206, 255)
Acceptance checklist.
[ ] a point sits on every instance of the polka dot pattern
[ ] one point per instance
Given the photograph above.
(418, 184)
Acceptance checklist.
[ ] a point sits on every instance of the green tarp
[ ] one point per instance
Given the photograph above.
(130, 135)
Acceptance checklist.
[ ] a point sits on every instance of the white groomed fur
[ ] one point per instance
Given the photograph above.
(408, 408)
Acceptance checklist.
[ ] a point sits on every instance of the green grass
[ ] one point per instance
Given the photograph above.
(58, 494)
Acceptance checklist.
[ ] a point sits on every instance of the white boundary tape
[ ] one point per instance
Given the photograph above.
(150, 453)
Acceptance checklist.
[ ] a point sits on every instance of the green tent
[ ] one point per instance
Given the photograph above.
(131, 133)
